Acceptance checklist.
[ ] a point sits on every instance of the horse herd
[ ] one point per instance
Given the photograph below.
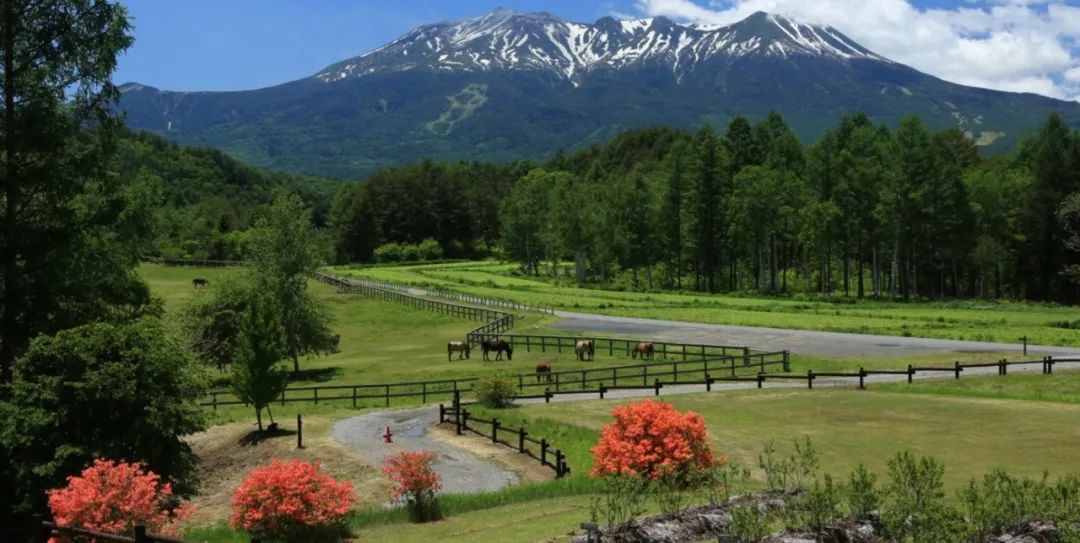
(585, 349)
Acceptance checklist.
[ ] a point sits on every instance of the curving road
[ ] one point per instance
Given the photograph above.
(808, 342)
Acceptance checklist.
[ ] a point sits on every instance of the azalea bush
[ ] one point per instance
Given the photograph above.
(291, 501)
(113, 497)
(415, 483)
(651, 446)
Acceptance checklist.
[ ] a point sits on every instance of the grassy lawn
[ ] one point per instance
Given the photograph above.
(968, 320)
(383, 342)
(1061, 387)
(969, 435)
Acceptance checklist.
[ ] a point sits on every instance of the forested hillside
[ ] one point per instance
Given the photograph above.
(206, 199)
(864, 211)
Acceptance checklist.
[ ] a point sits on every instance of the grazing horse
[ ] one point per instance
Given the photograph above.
(499, 346)
(585, 347)
(543, 372)
(645, 349)
(199, 282)
(460, 347)
(333, 342)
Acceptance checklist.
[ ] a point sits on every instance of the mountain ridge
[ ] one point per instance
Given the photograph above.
(504, 86)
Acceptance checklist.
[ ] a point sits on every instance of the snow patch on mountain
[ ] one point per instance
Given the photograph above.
(504, 40)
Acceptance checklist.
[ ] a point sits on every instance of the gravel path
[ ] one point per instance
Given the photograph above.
(461, 471)
(797, 341)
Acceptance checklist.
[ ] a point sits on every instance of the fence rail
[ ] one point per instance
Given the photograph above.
(47, 530)
(461, 418)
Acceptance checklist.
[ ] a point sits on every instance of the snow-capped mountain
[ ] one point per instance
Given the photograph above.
(505, 86)
(504, 40)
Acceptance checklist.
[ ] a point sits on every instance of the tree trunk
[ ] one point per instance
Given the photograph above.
(10, 332)
(258, 417)
(895, 268)
(295, 359)
(579, 266)
(859, 270)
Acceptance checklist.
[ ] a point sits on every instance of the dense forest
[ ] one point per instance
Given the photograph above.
(206, 201)
(864, 211)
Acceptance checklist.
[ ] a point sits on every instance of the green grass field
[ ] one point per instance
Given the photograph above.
(1022, 423)
(969, 435)
(966, 320)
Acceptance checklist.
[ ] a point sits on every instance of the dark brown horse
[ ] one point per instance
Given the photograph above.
(499, 346)
(199, 282)
(460, 347)
(543, 372)
(585, 348)
(333, 342)
(645, 349)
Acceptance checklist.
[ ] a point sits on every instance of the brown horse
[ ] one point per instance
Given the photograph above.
(460, 347)
(333, 342)
(645, 349)
(543, 372)
(199, 282)
(585, 347)
(499, 346)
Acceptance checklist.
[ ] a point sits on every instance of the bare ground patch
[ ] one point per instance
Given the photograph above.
(228, 452)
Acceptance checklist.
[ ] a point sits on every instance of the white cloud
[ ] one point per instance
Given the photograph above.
(1014, 45)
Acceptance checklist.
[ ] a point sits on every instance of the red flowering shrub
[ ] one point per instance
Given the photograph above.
(652, 440)
(415, 483)
(113, 497)
(291, 500)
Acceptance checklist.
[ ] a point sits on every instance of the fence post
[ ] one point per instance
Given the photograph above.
(746, 356)
(1024, 339)
(387, 387)
(956, 369)
(675, 368)
(213, 396)
(494, 430)
(1004, 367)
(300, 431)
(140, 534)
(1049, 365)
(521, 440)
(316, 390)
(465, 419)
(910, 373)
(583, 380)
(547, 395)
(603, 390)
(423, 392)
(787, 360)
(521, 381)
(656, 387)
(354, 397)
(457, 411)
(760, 379)
(862, 378)
(559, 459)
(543, 451)
(810, 379)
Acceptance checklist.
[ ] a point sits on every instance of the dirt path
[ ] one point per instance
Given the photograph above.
(462, 470)
(797, 341)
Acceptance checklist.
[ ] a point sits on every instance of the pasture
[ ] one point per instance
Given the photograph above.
(1022, 423)
(977, 320)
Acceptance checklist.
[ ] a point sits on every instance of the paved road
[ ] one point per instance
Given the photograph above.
(797, 341)
(461, 470)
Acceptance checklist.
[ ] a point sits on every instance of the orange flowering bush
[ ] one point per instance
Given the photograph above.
(652, 440)
(415, 483)
(113, 497)
(291, 500)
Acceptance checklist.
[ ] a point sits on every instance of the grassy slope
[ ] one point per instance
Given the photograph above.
(971, 320)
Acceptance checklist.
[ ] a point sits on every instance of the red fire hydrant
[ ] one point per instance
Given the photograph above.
(388, 436)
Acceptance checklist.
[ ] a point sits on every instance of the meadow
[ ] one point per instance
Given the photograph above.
(978, 320)
(1022, 423)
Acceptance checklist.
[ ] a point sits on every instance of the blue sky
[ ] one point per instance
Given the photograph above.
(1023, 45)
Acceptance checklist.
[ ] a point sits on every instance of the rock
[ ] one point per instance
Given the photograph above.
(1032, 531)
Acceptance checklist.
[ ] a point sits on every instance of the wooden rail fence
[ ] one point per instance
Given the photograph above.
(503, 435)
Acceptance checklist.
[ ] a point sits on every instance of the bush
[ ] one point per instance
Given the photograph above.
(495, 392)
(292, 501)
(389, 252)
(415, 483)
(113, 497)
(102, 391)
(862, 496)
(652, 440)
(915, 507)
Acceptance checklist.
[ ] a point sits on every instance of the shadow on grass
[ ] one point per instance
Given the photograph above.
(272, 431)
(318, 375)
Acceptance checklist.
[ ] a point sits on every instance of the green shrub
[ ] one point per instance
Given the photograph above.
(915, 505)
(495, 391)
(821, 504)
(861, 495)
(747, 525)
